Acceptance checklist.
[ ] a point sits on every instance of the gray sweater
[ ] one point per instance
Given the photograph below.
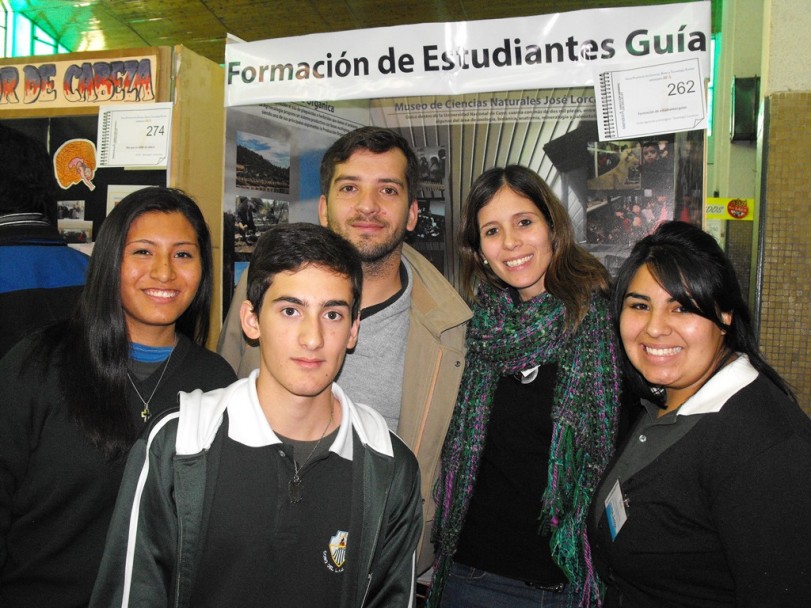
(380, 355)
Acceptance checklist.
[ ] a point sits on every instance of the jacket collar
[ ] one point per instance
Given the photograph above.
(433, 299)
(711, 397)
(28, 229)
(201, 415)
(24, 219)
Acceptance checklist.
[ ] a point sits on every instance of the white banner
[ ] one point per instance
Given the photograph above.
(545, 51)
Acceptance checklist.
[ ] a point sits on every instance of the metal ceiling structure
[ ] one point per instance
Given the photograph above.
(202, 25)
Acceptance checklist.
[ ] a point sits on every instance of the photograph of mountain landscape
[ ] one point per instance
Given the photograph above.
(262, 163)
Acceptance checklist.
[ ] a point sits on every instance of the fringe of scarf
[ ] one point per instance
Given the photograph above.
(504, 338)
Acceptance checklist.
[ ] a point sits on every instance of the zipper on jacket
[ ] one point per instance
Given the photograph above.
(366, 592)
(179, 560)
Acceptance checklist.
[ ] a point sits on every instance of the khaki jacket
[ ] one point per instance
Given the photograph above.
(434, 362)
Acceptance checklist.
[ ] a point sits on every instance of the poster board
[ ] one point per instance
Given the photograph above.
(514, 91)
(192, 85)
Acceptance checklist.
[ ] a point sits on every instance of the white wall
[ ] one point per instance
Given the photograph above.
(786, 64)
(733, 171)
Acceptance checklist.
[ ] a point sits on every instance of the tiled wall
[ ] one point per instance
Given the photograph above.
(785, 321)
(739, 249)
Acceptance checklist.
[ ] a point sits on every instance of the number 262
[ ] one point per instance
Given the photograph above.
(680, 88)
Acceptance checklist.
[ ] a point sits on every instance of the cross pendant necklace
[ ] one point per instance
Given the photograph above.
(146, 414)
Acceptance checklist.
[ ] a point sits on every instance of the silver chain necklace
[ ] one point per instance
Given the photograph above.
(145, 413)
(294, 486)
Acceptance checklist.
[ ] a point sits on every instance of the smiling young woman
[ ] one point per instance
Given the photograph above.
(161, 270)
(76, 397)
(707, 502)
(667, 342)
(534, 424)
(516, 242)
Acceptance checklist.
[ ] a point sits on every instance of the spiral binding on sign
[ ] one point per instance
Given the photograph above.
(607, 96)
(104, 137)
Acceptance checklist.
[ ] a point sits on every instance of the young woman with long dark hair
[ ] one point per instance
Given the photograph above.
(536, 416)
(74, 398)
(707, 502)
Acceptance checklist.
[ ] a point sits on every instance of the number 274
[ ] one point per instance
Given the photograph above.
(152, 131)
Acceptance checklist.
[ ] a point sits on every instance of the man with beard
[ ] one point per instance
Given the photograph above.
(409, 357)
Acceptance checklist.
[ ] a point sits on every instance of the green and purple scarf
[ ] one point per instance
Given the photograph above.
(503, 339)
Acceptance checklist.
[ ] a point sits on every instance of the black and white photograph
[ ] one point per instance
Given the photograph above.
(71, 210)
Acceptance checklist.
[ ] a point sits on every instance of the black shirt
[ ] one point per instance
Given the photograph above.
(501, 533)
(261, 549)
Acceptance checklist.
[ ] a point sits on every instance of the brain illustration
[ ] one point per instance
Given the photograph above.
(75, 162)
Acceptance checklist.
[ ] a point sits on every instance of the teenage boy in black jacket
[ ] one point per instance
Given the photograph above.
(277, 490)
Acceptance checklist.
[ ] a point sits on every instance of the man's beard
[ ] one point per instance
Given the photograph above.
(376, 253)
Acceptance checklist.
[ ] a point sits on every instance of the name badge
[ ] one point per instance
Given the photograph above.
(615, 510)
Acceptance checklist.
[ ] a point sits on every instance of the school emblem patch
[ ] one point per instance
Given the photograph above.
(337, 548)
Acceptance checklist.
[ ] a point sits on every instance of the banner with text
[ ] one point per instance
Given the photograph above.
(543, 51)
